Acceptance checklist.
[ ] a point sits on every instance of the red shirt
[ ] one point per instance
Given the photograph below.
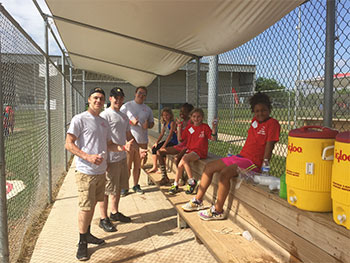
(197, 139)
(258, 135)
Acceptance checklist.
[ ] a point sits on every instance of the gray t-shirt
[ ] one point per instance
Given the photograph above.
(142, 112)
(119, 124)
(92, 133)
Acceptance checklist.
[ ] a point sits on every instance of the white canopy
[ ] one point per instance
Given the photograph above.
(137, 40)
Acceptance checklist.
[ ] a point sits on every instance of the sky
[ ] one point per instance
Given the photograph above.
(27, 15)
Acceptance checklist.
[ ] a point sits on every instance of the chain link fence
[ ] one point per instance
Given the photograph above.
(287, 61)
(289, 65)
(23, 77)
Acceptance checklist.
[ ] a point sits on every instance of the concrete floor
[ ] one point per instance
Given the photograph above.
(152, 236)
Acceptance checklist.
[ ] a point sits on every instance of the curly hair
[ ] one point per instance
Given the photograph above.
(188, 107)
(260, 98)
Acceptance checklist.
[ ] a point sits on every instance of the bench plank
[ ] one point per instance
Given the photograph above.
(224, 247)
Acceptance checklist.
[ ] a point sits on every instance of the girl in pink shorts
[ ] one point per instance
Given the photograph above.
(263, 133)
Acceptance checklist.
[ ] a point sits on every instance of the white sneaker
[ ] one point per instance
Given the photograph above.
(193, 205)
(211, 214)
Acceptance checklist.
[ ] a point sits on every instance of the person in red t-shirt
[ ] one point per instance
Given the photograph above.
(262, 136)
(196, 135)
(179, 149)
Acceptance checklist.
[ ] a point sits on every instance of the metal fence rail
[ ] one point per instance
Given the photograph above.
(25, 130)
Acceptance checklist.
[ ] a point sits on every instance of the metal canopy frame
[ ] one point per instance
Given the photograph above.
(112, 63)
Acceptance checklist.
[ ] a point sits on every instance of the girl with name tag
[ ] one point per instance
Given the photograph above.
(263, 133)
(196, 136)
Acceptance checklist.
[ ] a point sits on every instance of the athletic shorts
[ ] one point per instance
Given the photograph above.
(159, 145)
(91, 189)
(242, 162)
(117, 177)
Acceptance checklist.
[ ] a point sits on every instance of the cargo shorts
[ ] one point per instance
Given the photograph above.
(91, 189)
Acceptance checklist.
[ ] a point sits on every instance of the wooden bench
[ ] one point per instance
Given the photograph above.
(281, 232)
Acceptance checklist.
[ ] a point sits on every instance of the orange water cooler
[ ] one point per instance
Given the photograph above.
(341, 180)
(309, 168)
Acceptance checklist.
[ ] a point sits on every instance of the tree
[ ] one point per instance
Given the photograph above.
(263, 84)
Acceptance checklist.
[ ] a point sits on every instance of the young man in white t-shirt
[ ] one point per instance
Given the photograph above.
(117, 175)
(89, 138)
(141, 119)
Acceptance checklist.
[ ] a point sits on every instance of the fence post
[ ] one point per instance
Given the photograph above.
(212, 88)
(4, 240)
(159, 104)
(71, 88)
(47, 108)
(64, 105)
(198, 79)
(187, 97)
(297, 82)
(84, 82)
(329, 65)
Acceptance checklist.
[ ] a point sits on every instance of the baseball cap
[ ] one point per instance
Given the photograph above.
(115, 92)
(97, 90)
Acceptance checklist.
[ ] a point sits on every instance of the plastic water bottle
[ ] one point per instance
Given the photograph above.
(230, 151)
(103, 155)
(247, 235)
(265, 168)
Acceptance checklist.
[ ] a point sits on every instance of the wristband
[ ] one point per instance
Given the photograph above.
(123, 148)
(214, 134)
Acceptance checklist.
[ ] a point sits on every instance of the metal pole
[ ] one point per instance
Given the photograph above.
(71, 89)
(289, 110)
(329, 65)
(47, 109)
(198, 79)
(64, 105)
(159, 105)
(213, 88)
(232, 99)
(84, 91)
(4, 242)
(297, 83)
(187, 82)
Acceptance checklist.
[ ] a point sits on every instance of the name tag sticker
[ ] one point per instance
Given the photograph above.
(191, 130)
(255, 124)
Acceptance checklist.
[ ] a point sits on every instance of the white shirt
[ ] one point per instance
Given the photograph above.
(92, 133)
(141, 111)
(119, 124)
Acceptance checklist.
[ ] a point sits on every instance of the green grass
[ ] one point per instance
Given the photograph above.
(24, 153)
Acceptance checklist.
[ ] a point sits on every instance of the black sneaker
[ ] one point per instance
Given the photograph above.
(124, 192)
(190, 187)
(137, 189)
(120, 217)
(173, 189)
(82, 253)
(106, 225)
(91, 239)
